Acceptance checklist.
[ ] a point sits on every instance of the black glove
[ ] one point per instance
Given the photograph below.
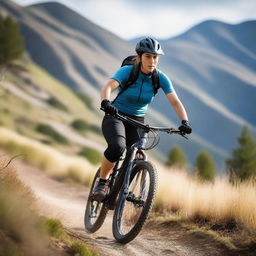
(108, 107)
(185, 127)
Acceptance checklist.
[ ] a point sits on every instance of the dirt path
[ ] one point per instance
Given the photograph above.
(66, 202)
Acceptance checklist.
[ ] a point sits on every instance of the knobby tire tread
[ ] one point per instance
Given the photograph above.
(148, 206)
(102, 215)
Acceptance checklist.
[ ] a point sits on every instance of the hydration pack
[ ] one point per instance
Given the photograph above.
(131, 60)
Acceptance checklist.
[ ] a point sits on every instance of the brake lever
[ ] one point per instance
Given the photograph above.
(183, 135)
(180, 133)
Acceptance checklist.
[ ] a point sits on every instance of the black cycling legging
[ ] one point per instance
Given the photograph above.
(118, 135)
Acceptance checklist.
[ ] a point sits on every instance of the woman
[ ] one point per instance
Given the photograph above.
(132, 102)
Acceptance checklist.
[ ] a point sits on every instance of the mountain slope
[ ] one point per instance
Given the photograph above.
(57, 41)
(217, 86)
(212, 67)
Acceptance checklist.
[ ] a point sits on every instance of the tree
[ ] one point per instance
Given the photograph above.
(11, 42)
(176, 158)
(205, 166)
(243, 160)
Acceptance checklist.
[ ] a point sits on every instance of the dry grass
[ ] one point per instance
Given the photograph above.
(22, 231)
(218, 203)
(19, 224)
(53, 162)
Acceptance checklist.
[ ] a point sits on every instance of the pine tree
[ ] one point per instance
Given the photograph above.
(243, 160)
(205, 166)
(11, 42)
(176, 158)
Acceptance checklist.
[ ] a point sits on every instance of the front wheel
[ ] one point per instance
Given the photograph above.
(134, 206)
(95, 212)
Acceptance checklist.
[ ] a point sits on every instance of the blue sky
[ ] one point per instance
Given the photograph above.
(158, 18)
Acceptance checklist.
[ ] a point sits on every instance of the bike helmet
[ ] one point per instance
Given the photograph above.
(149, 45)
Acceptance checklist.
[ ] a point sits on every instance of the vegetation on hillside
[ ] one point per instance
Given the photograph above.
(11, 41)
(205, 168)
(56, 164)
(217, 206)
(53, 101)
(242, 164)
(49, 131)
(176, 158)
(91, 154)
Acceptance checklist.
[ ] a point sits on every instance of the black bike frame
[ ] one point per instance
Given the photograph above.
(120, 177)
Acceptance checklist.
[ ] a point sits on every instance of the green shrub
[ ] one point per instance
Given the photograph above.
(80, 125)
(56, 103)
(176, 158)
(55, 228)
(49, 131)
(243, 161)
(205, 167)
(79, 249)
(11, 41)
(91, 154)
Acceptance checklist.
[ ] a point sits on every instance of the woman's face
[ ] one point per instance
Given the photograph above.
(148, 62)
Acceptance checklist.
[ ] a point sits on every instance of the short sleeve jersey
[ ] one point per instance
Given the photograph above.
(134, 100)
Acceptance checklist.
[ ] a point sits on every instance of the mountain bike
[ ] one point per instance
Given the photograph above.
(131, 187)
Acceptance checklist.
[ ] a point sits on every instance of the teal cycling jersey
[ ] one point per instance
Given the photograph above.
(134, 100)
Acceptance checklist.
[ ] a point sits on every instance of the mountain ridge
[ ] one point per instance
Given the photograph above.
(210, 81)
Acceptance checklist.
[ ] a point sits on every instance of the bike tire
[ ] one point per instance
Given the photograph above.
(119, 213)
(90, 225)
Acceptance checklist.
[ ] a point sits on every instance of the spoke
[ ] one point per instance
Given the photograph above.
(135, 201)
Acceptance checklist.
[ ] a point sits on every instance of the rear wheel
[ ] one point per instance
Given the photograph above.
(133, 208)
(95, 212)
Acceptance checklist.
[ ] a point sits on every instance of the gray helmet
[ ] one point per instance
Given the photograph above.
(149, 45)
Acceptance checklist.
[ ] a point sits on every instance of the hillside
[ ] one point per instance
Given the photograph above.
(40, 108)
(212, 67)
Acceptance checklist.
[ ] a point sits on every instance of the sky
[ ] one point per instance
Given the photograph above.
(157, 18)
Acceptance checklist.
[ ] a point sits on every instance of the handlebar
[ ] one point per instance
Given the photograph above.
(148, 128)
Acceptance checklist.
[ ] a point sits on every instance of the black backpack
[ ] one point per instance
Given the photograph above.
(131, 60)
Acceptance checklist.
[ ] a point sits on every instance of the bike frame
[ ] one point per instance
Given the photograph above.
(120, 177)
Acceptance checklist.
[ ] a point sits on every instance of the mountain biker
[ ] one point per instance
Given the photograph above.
(133, 102)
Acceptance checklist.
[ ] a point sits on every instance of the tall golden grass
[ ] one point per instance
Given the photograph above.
(219, 202)
(22, 230)
(20, 227)
(53, 162)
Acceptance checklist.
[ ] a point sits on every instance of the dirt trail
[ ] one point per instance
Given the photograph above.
(67, 203)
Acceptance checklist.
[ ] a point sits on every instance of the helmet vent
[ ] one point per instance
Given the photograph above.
(149, 45)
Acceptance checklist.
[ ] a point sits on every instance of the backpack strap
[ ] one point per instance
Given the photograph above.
(133, 77)
(131, 80)
(155, 81)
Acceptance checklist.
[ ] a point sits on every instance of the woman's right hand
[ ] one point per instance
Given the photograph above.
(108, 107)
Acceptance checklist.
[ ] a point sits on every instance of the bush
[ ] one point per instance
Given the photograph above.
(91, 154)
(49, 131)
(79, 249)
(56, 103)
(55, 228)
(205, 166)
(80, 125)
(243, 161)
(11, 42)
(176, 158)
